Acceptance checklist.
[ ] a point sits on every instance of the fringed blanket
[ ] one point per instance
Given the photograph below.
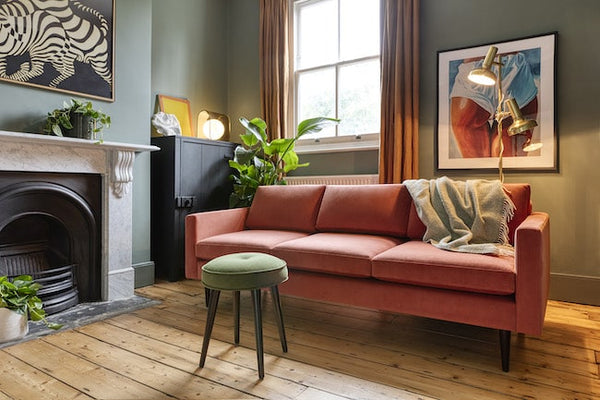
(470, 217)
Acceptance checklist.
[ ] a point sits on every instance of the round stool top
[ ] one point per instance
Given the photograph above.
(244, 271)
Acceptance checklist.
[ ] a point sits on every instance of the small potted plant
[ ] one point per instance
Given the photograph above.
(18, 304)
(77, 119)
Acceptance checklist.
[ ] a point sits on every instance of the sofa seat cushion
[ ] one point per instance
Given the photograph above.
(420, 263)
(334, 253)
(253, 240)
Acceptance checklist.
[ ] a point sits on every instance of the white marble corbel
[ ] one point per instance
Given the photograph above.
(122, 171)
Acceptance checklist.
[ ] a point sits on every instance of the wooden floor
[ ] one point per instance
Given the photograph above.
(335, 352)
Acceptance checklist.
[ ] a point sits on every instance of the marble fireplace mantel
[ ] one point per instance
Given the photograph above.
(114, 162)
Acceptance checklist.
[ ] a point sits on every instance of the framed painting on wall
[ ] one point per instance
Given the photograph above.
(466, 130)
(62, 45)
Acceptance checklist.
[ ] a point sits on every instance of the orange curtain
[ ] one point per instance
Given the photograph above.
(274, 62)
(399, 145)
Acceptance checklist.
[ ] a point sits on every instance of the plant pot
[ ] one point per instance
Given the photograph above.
(13, 326)
(82, 127)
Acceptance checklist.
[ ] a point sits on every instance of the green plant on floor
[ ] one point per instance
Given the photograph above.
(61, 120)
(20, 295)
(259, 162)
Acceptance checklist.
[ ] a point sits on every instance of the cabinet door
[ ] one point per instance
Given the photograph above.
(205, 174)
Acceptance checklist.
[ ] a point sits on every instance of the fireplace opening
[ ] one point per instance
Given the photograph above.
(50, 229)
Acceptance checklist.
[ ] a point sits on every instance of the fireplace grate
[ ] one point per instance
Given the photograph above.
(59, 291)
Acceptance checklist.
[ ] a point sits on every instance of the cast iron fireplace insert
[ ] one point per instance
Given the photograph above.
(50, 228)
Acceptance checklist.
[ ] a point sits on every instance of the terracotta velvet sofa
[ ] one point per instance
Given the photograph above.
(362, 246)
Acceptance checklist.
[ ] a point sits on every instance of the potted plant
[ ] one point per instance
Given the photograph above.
(259, 162)
(18, 304)
(76, 119)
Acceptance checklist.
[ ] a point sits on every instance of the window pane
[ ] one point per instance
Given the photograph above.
(316, 98)
(359, 98)
(359, 28)
(317, 34)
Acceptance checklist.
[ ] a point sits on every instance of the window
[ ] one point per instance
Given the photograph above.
(337, 68)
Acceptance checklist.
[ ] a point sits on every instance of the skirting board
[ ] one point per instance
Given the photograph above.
(144, 274)
(575, 288)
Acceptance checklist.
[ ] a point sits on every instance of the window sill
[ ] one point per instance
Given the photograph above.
(337, 147)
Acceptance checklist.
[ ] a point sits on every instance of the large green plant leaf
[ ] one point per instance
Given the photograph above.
(314, 125)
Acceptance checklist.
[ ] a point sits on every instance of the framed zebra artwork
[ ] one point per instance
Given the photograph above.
(61, 45)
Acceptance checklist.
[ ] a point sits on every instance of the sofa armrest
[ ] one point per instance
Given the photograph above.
(532, 264)
(201, 225)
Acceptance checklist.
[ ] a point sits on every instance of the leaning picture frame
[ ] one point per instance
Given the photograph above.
(466, 131)
(181, 109)
(66, 48)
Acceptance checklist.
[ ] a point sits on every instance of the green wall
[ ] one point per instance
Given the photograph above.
(23, 109)
(189, 53)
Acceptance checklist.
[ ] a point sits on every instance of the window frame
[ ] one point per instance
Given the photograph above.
(365, 141)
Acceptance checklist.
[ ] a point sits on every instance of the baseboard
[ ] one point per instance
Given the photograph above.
(144, 274)
(575, 288)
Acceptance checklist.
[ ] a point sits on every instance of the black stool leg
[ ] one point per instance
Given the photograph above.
(213, 300)
(279, 317)
(236, 317)
(206, 296)
(259, 337)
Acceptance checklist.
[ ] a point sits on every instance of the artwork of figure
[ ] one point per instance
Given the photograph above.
(473, 106)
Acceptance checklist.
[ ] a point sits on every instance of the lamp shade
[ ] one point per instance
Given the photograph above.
(213, 126)
(484, 75)
(520, 124)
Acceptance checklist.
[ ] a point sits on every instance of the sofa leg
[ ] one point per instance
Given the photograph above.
(505, 349)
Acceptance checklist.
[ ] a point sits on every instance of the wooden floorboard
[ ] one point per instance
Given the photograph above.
(335, 352)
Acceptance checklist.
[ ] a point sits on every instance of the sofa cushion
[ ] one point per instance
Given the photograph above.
(243, 241)
(285, 207)
(372, 209)
(520, 194)
(420, 263)
(334, 253)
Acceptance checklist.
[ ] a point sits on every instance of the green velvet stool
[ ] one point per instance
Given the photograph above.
(244, 271)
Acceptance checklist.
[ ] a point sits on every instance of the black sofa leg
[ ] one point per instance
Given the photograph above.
(505, 349)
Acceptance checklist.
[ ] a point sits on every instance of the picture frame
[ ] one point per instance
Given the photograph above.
(465, 110)
(75, 54)
(181, 109)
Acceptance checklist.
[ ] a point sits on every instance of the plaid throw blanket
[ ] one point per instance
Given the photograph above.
(470, 217)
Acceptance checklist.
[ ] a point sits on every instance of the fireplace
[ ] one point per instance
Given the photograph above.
(67, 202)
(50, 228)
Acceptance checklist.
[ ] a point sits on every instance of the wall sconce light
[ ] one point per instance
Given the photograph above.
(213, 126)
(520, 126)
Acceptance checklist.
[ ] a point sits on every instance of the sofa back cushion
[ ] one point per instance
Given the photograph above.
(372, 209)
(519, 193)
(282, 207)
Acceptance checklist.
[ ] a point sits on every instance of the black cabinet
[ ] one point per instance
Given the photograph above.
(188, 175)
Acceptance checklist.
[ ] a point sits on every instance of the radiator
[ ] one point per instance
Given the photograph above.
(333, 180)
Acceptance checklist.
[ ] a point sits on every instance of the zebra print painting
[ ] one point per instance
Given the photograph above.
(64, 45)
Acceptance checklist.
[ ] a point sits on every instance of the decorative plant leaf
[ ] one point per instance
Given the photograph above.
(314, 125)
(20, 295)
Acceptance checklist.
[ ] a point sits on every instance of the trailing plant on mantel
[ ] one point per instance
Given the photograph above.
(20, 296)
(77, 119)
(259, 162)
